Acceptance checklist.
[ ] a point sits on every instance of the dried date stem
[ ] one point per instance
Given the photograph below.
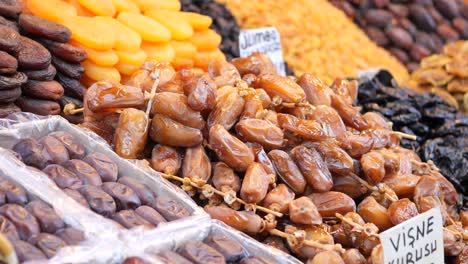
(372, 188)
(354, 224)
(70, 109)
(155, 76)
(209, 190)
(297, 239)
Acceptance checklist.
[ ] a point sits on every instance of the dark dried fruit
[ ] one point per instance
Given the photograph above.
(39, 27)
(31, 55)
(10, 95)
(72, 70)
(11, 8)
(8, 109)
(49, 90)
(65, 51)
(72, 87)
(8, 63)
(47, 74)
(400, 37)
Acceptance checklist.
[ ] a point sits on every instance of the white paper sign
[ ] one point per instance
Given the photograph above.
(418, 240)
(266, 40)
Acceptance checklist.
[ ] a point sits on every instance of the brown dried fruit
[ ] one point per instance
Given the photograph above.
(400, 37)
(303, 211)
(37, 26)
(255, 184)
(9, 39)
(50, 90)
(37, 106)
(260, 131)
(47, 74)
(449, 8)
(285, 88)
(71, 86)
(165, 159)
(329, 203)
(377, 35)
(422, 18)
(176, 107)
(227, 110)
(65, 51)
(72, 70)
(31, 55)
(11, 8)
(379, 18)
(8, 63)
(131, 133)
(14, 81)
(169, 132)
(402, 210)
(8, 109)
(196, 164)
(447, 32)
(10, 95)
(288, 170)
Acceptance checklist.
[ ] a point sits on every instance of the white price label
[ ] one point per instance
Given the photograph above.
(416, 241)
(266, 40)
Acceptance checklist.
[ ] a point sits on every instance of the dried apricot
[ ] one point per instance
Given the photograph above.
(99, 73)
(182, 63)
(197, 21)
(134, 58)
(126, 39)
(126, 6)
(206, 40)
(127, 69)
(53, 10)
(174, 21)
(144, 5)
(183, 49)
(101, 7)
(99, 57)
(80, 10)
(158, 52)
(149, 29)
(91, 32)
(203, 58)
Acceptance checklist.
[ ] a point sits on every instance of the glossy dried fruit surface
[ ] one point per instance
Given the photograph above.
(131, 133)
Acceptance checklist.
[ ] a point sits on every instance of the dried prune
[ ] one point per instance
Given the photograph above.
(38, 106)
(9, 39)
(10, 95)
(14, 81)
(106, 167)
(11, 8)
(72, 70)
(65, 51)
(200, 252)
(87, 174)
(46, 216)
(47, 74)
(72, 87)
(39, 27)
(98, 200)
(31, 55)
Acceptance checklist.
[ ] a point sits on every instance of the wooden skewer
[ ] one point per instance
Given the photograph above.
(218, 192)
(310, 243)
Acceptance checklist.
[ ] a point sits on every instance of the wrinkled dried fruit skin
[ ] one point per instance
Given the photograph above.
(260, 131)
(307, 129)
(170, 209)
(227, 110)
(8, 109)
(32, 55)
(25, 223)
(65, 51)
(49, 90)
(257, 63)
(75, 149)
(87, 174)
(14, 81)
(47, 74)
(131, 133)
(329, 203)
(149, 214)
(78, 197)
(317, 93)
(200, 252)
(109, 95)
(313, 168)
(201, 93)
(255, 184)
(426, 186)
(247, 222)
(230, 248)
(32, 153)
(279, 198)
(9, 96)
(402, 210)
(349, 186)
(145, 194)
(38, 106)
(262, 158)
(106, 167)
(26, 251)
(8, 63)
(13, 192)
(176, 107)
(8, 229)
(169, 132)
(39, 27)
(223, 73)
(304, 211)
(285, 88)
(72, 70)
(314, 233)
(330, 120)
(124, 197)
(55, 149)
(349, 114)
(288, 170)
(165, 159)
(372, 211)
(62, 177)
(9, 39)
(129, 219)
(372, 165)
(98, 200)
(171, 257)
(230, 149)
(224, 178)
(338, 161)
(253, 107)
(47, 243)
(46, 216)
(196, 164)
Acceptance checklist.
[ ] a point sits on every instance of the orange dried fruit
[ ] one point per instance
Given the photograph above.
(127, 69)
(101, 7)
(197, 21)
(149, 29)
(126, 6)
(99, 57)
(126, 38)
(203, 58)
(158, 52)
(206, 40)
(91, 32)
(53, 10)
(134, 58)
(184, 49)
(100, 73)
(182, 63)
(80, 10)
(144, 5)
(174, 21)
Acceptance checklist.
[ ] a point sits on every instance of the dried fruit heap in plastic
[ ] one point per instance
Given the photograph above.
(410, 30)
(317, 37)
(38, 66)
(446, 75)
(287, 160)
(224, 23)
(120, 35)
(442, 130)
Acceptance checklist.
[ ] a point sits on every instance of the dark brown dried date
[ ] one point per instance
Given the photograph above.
(9, 39)
(47, 74)
(75, 195)
(129, 219)
(150, 215)
(71, 236)
(64, 51)
(124, 196)
(25, 223)
(11, 8)
(8, 229)
(75, 149)
(8, 109)
(47, 243)
(72, 87)
(38, 106)
(98, 200)
(200, 252)
(46, 216)
(9, 96)
(231, 249)
(26, 252)
(72, 70)
(32, 153)
(288, 170)
(147, 197)
(87, 174)
(106, 167)
(8, 63)
(62, 177)
(170, 209)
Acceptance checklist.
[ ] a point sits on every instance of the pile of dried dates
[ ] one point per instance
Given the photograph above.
(410, 30)
(445, 74)
(215, 249)
(93, 181)
(33, 227)
(38, 66)
(440, 128)
(289, 161)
